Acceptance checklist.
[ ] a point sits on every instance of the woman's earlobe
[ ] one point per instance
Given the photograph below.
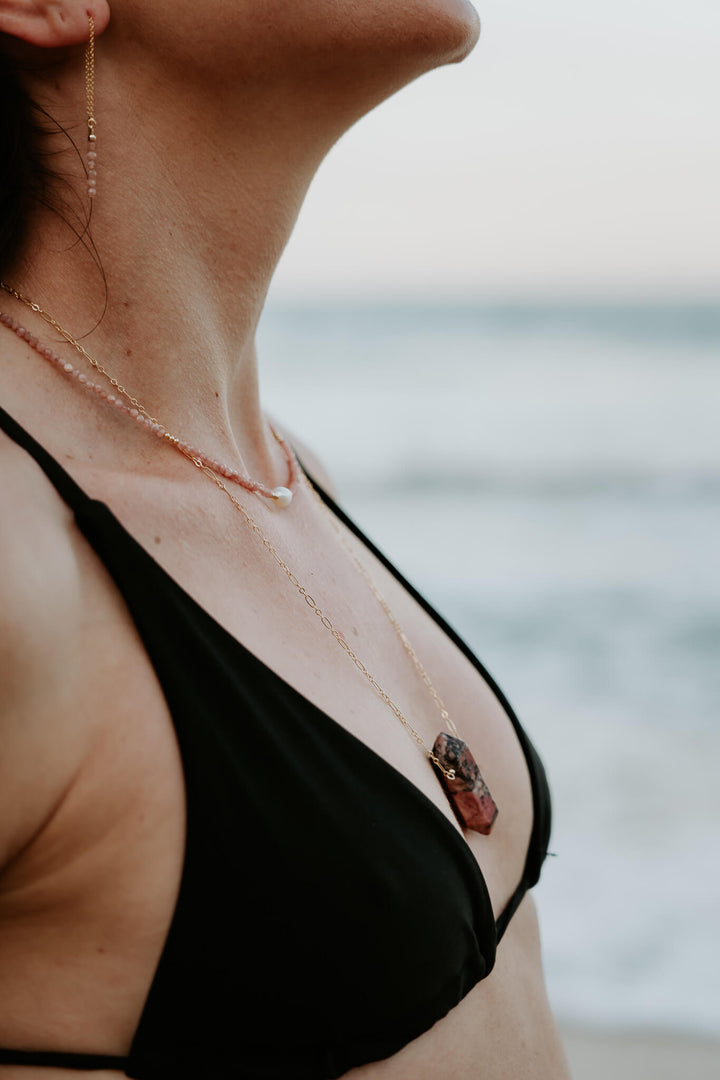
(52, 24)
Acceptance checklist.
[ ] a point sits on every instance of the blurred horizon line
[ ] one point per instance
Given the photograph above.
(697, 320)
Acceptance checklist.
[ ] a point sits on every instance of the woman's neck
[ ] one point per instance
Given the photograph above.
(209, 130)
(186, 263)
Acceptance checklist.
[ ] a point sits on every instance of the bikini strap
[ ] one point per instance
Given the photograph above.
(76, 498)
(51, 1060)
(63, 483)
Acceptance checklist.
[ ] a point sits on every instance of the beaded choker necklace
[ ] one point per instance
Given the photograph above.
(457, 769)
(278, 496)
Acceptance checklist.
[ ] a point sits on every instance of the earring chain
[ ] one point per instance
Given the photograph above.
(90, 77)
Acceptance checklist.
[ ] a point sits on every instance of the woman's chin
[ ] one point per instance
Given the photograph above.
(388, 43)
(437, 31)
(463, 29)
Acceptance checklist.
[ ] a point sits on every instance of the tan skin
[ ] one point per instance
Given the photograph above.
(196, 200)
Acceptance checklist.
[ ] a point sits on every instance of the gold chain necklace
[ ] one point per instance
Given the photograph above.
(279, 496)
(459, 774)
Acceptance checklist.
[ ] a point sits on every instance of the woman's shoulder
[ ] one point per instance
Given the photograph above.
(36, 556)
(40, 744)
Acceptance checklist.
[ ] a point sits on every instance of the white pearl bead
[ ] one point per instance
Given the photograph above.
(283, 496)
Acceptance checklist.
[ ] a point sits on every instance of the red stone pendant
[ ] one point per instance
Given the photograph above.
(468, 793)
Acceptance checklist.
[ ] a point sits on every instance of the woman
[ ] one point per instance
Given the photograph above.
(224, 850)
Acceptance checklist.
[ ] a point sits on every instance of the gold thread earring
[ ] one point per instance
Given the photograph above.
(90, 102)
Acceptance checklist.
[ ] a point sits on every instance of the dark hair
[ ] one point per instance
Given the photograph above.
(26, 174)
(21, 176)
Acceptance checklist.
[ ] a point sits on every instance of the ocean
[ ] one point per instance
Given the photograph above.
(571, 456)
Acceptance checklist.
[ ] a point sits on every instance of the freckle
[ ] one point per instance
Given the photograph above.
(100, 949)
(128, 352)
(157, 539)
(216, 394)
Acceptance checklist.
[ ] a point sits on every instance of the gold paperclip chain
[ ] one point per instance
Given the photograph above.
(407, 645)
(327, 622)
(78, 348)
(309, 600)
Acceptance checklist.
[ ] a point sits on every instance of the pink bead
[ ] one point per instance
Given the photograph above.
(92, 192)
(92, 154)
(136, 414)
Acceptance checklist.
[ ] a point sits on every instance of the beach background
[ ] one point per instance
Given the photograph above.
(510, 275)
(570, 455)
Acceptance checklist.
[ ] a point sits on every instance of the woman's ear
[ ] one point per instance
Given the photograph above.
(52, 24)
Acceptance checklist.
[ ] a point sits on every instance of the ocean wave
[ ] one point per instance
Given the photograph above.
(469, 483)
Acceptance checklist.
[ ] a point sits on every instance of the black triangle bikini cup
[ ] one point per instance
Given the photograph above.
(90, 514)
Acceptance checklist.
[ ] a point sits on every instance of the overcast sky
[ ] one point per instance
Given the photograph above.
(576, 154)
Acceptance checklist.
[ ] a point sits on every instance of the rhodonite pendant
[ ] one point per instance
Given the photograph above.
(467, 793)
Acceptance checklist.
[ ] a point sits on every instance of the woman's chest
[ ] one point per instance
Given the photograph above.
(317, 836)
(332, 627)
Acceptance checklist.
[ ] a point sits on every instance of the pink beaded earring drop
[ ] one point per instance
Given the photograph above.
(90, 101)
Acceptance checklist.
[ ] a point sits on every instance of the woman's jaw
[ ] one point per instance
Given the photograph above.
(325, 62)
(211, 122)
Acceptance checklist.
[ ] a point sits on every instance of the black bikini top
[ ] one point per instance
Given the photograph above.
(328, 911)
